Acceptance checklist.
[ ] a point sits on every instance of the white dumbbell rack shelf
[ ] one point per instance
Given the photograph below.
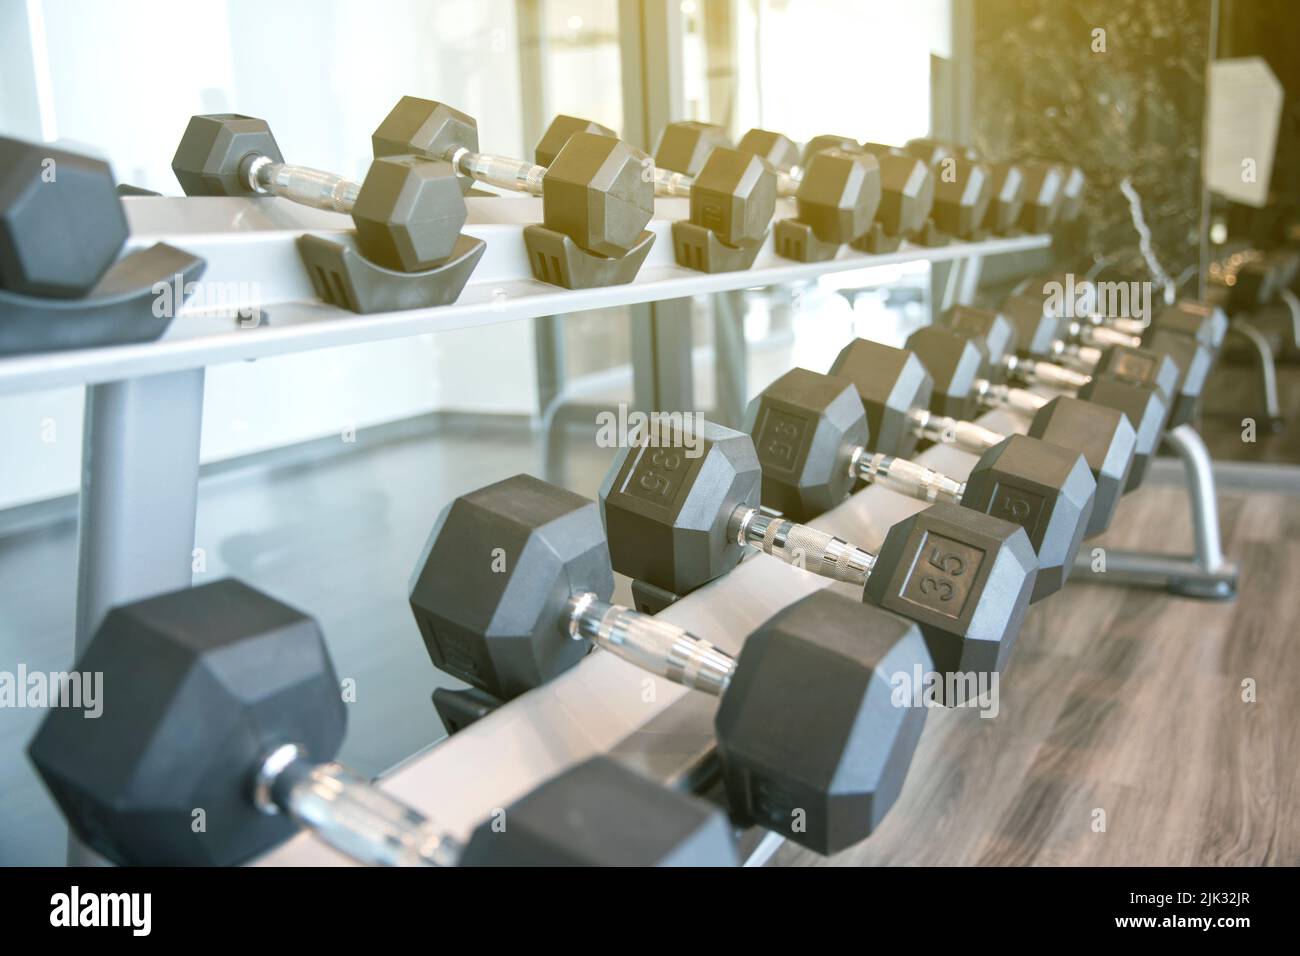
(252, 260)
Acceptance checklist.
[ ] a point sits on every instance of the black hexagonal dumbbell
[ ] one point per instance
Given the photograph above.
(1044, 196)
(897, 392)
(963, 193)
(684, 149)
(906, 192)
(593, 186)
(1053, 194)
(1045, 331)
(68, 279)
(733, 195)
(408, 211)
(893, 194)
(61, 221)
(514, 585)
(1062, 308)
(1105, 436)
(600, 813)
(824, 141)
(1032, 196)
(813, 442)
(977, 195)
(1189, 334)
(1007, 197)
(1192, 334)
(1078, 310)
(836, 203)
(964, 187)
(1081, 305)
(1137, 382)
(683, 507)
(559, 131)
(223, 706)
(777, 148)
(1185, 333)
(684, 146)
(732, 199)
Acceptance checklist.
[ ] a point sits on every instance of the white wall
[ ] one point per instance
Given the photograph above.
(123, 79)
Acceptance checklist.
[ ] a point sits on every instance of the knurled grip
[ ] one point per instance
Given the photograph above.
(1024, 402)
(1133, 327)
(309, 187)
(816, 551)
(1016, 399)
(514, 174)
(655, 646)
(910, 478)
(1055, 376)
(360, 820)
(949, 431)
(973, 438)
(1084, 357)
(1100, 335)
(669, 183)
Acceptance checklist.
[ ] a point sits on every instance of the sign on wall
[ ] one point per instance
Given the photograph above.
(1242, 118)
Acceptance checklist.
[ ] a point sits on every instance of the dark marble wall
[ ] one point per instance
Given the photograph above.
(1132, 111)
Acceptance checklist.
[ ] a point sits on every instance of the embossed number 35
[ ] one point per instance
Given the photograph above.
(665, 460)
(949, 564)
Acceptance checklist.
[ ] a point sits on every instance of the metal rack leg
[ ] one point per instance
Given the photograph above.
(1292, 304)
(662, 373)
(970, 280)
(139, 494)
(1267, 369)
(548, 338)
(730, 371)
(1204, 574)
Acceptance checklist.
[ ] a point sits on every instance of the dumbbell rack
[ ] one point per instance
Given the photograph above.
(140, 454)
(600, 705)
(141, 449)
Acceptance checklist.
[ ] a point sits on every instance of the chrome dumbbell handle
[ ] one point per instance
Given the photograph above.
(1045, 373)
(1131, 327)
(949, 431)
(802, 546)
(669, 183)
(513, 174)
(908, 477)
(349, 813)
(1101, 336)
(1085, 358)
(651, 644)
(301, 184)
(1004, 396)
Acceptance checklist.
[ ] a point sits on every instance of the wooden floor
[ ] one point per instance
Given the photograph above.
(1129, 703)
